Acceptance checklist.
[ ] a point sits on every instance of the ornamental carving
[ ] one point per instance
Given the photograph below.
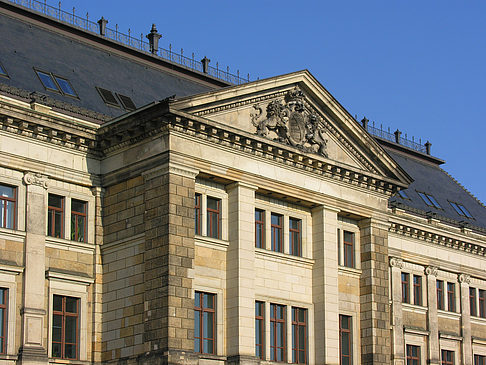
(431, 270)
(464, 278)
(31, 178)
(396, 262)
(289, 121)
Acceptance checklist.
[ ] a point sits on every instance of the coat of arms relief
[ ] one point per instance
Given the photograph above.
(289, 121)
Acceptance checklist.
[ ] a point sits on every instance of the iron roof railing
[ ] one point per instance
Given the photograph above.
(395, 137)
(130, 41)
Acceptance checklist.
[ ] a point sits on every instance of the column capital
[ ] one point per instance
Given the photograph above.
(241, 184)
(431, 270)
(326, 207)
(34, 178)
(396, 262)
(173, 168)
(464, 278)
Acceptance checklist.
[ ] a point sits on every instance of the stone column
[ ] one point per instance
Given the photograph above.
(434, 349)
(33, 312)
(168, 265)
(398, 353)
(374, 297)
(240, 293)
(325, 284)
(467, 355)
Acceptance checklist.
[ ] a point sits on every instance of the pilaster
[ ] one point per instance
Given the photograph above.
(374, 297)
(325, 284)
(467, 355)
(432, 319)
(398, 354)
(33, 312)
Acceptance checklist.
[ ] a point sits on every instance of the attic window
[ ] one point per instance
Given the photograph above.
(120, 100)
(126, 102)
(460, 209)
(108, 97)
(3, 72)
(55, 83)
(403, 195)
(429, 200)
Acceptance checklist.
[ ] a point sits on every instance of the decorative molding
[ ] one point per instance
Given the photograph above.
(396, 262)
(172, 168)
(432, 270)
(438, 239)
(464, 278)
(31, 178)
(69, 277)
(415, 331)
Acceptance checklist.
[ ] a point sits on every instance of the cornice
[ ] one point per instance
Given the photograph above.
(438, 239)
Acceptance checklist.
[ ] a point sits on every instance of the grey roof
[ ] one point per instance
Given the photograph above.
(430, 178)
(25, 46)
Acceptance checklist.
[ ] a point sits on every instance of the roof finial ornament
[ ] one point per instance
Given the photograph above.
(205, 64)
(153, 38)
(364, 122)
(427, 147)
(102, 23)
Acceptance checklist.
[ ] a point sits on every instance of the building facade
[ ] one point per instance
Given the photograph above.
(243, 224)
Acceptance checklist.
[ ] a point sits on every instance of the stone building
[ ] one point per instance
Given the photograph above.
(156, 210)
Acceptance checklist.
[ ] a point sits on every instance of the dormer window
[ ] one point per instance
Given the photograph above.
(461, 210)
(56, 83)
(429, 200)
(3, 71)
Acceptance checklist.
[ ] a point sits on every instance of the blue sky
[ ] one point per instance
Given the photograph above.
(419, 66)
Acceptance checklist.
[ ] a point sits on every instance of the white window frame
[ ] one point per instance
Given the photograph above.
(416, 339)
(8, 280)
(76, 287)
(453, 345)
(352, 228)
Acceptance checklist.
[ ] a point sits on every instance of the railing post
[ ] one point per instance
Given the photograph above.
(397, 136)
(205, 64)
(153, 38)
(427, 147)
(364, 122)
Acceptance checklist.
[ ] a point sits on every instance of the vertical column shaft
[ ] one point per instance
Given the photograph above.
(432, 319)
(397, 313)
(467, 355)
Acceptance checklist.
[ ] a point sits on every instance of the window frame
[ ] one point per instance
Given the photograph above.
(410, 357)
(5, 72)
(277, 231)
(451, 297)
(349, 331)
(295, 232)
(13, 200)
(260, 329)
(74, 235)
(51, 212)
(273, 327)
(448, 353)
(429, 200)
(296, 326)
(482, 303)
(199, 311)
(405, 280)
(479, 359)
(417, 290)
(349, 246)
(473, 305)
(64, 315)
(54, 77)
(4, 315)
(461, 209)
(210, 212)
(198, 214)
(440, 294)
(260, 241)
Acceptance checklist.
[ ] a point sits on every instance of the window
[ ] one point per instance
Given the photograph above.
(65, 322)
(417, 290)
(8, 200)
(213, 217)
(278, 346)
(204, 323)
(447, 357)
(3, 320)
(405, 287)
(299, 335)
(413, 355)
(3, 71)
(440, 294)
(348, 242)
(451, 297)
(65, 86)
(259, 228)
(126, 102)
(109, 98)
(55, 216)
(260, 330)
(482, 303)
(403, 195)
(461, 210)
(472, 302)
(277, 229)
(295, 235)
(78, 220)
(345, 340)
(479, 360)
(429, 200)
(197, 214)
(56, 83)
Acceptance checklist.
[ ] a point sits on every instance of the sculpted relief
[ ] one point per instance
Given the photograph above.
(289, 121)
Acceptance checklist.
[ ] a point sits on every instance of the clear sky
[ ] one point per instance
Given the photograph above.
(419, 66)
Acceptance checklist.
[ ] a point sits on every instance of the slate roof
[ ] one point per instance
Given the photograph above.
(25, 46)
(430, 178)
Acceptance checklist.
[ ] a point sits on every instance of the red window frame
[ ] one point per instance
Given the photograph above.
(348, 249)
(479, 360)
(274, 321)
(277, 230)
(260, 329)
(64, 315)
(213, 214)
(451, 297)
(3, 314)
(199, 315)
(5, 200)
(197, 214)
(482, 303)
(405, 287)
(417, 290)
(473, 310)
(440, 294)
(295, 237)
(343, 330)
(413, 359)
(75, 236)
(447, 357)
(299, 325)
(259, 228)
(51, 212)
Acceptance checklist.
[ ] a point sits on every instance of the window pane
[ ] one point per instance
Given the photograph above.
(56, 328)
(55, 201)
(70, 351)
(208, 330)
(212, 203)
(47, 81)
(57, 305)
(208, 346)
(208, 301)
(80, 228)
(6, 191)
(71, 305)
(65, 86)
(56, 350)
(78, 206)
(70, 330)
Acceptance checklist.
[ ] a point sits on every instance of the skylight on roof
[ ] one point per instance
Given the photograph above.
(55, 83)
(3, 72)
(47, 81)
(126, 102)
(65, 86)
(429, 200)
(461, 210)
(402, 194)
(120, 100)
(107, 97)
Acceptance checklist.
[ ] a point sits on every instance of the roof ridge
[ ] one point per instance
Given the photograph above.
(463, 188)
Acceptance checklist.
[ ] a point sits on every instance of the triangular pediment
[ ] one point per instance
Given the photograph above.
(296, 111)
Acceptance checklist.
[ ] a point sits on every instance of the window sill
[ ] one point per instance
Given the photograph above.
(414, 308)
(9, 357)
(349, 271)
(66, 361)
(451, 315)
(65, 244)
(478, 320)
(211, 242)
(211, 357)
(283, 257)
(12, 234)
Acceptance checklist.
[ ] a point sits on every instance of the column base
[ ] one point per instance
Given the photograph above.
(32, 356)
(167, 357)
(242, 360)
